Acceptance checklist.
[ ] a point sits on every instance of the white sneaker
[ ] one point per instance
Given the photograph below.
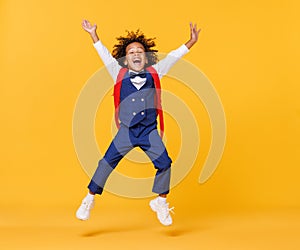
(162, 211)
(83, 212)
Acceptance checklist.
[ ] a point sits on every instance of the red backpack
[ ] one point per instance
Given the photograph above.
(157, 97)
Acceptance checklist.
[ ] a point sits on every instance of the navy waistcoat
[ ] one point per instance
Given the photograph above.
(137, 106)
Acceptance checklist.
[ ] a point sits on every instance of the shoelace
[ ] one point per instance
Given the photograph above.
(164, 209)
(171, 210)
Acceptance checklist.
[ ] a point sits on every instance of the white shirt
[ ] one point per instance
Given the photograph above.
(162, 67)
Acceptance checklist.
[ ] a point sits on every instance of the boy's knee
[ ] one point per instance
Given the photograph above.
(164, 164)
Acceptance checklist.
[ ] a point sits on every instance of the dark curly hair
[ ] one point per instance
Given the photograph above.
(119, 50)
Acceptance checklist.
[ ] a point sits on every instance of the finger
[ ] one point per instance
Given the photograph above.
(194, 28)
(85, 24)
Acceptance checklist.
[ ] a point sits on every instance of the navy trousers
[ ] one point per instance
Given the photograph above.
(148, 139)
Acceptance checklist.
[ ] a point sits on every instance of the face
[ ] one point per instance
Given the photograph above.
(135, 57)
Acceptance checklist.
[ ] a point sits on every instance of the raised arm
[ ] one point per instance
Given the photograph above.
(165, 64)
(109, 61)
(91, 29)
(194, 34)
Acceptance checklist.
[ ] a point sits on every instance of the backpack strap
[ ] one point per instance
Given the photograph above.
(117, 93)
(157, 99)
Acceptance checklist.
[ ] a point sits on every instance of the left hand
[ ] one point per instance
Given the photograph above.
(194, 32)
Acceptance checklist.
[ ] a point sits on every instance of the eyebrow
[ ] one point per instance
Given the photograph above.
(140, 47)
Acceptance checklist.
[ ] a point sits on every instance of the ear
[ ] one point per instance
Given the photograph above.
(146, 60)
(125, 61)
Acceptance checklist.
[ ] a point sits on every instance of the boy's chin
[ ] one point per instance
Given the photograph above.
(137, 69)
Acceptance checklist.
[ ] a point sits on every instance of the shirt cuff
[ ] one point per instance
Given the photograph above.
(183, 49)
(97, 44)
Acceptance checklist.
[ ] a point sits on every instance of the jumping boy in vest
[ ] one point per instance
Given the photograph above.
(135, 69)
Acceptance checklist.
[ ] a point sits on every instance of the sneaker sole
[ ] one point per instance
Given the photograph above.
(81, 218)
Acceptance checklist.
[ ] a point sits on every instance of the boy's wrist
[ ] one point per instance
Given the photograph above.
(94, 36)
(190, 43)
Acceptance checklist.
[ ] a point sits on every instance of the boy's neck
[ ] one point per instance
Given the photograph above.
(130, 70)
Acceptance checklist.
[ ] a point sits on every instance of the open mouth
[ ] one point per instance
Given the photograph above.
(137, 61)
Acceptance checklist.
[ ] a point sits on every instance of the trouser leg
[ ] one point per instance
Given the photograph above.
(153, 146)
(118, 148)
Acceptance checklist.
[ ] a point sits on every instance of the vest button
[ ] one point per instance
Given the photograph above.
(133, 99)
(134, 113)
(142, 113)
(142, 99)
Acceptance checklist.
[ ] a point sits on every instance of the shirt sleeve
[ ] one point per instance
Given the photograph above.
(163, 66)
(109, 61)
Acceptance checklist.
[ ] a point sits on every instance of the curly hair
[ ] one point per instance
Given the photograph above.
(119, 50)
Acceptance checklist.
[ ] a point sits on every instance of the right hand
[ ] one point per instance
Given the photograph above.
(86, 25)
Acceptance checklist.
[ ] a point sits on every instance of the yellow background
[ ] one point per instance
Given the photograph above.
(250, 52)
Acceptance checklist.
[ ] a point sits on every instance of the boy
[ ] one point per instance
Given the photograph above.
(135, 69)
